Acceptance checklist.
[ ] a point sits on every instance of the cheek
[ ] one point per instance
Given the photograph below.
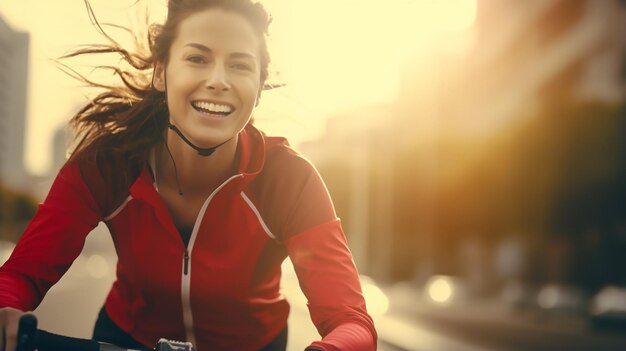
(251, 90)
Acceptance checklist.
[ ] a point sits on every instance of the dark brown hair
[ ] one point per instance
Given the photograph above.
(129, 119)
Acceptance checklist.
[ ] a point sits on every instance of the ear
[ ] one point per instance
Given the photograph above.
(158, 77)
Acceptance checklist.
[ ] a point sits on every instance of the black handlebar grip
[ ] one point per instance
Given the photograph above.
(29, 338)
(47, 341)
(27, 333)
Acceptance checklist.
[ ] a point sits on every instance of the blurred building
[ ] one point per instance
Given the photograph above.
(386, 166)
(529, 54)
(60, 143)
(14, 58)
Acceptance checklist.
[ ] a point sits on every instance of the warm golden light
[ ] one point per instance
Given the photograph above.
(337, 54)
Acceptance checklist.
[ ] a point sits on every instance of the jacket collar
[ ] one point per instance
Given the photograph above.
(251, 155)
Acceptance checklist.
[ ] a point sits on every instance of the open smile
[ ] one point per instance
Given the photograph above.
(213, 108)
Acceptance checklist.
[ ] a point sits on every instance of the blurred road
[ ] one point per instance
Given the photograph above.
(491, 325)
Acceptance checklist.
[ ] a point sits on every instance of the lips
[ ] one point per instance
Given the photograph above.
(213, 108)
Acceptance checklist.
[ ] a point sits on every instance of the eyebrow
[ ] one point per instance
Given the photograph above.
(234, 54)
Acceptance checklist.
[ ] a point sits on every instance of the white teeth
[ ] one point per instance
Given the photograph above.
(213, 107)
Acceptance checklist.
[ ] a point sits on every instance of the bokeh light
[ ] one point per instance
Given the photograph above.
(440, 289)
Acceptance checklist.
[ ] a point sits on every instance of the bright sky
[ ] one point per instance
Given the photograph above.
(333, 54)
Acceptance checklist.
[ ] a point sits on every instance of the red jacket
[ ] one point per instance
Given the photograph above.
(222, 291)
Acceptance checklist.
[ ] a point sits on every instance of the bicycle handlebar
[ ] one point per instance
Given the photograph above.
(29, 338)
(26, 333)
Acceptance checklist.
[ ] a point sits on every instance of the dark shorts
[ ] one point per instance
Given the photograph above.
(107, 331)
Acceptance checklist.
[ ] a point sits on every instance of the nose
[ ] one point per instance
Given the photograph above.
(217, 79)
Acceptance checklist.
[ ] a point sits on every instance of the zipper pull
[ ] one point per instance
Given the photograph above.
(186, 262)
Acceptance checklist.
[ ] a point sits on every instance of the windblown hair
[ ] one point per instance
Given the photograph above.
(130, 118)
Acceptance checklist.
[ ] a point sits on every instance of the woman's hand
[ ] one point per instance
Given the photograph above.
(9, 320)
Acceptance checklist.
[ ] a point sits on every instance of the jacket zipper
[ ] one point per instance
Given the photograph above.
(186, 262)
(185, 295)
(186, 274)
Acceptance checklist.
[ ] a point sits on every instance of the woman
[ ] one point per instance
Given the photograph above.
(202, 206)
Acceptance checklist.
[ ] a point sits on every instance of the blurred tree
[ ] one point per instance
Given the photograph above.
(591, 199)
(16, 210)
(562, 173)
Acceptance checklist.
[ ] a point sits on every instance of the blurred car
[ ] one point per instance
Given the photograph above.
(518, 295)
(607, 309)
(445, 289)
(562, 299)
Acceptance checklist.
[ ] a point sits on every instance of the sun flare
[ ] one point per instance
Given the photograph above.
(333, 54)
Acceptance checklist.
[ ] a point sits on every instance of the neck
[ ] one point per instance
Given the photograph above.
(197, 174)
(201, 151)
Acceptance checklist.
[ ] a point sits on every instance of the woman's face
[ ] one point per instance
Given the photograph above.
(213, 76)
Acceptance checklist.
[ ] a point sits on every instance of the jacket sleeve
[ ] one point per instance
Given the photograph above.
(52, 240)
(296, 205)
(326, 272)
(329, 279)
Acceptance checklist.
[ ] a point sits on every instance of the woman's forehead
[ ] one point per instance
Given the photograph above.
(218, 30)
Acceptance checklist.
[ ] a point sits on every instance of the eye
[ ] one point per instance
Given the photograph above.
(197, 59)
(241, 66)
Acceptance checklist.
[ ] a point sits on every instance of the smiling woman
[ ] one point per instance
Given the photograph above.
(202, 206)
(224, 47)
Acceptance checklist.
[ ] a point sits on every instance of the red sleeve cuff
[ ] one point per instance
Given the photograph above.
(346, 337)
